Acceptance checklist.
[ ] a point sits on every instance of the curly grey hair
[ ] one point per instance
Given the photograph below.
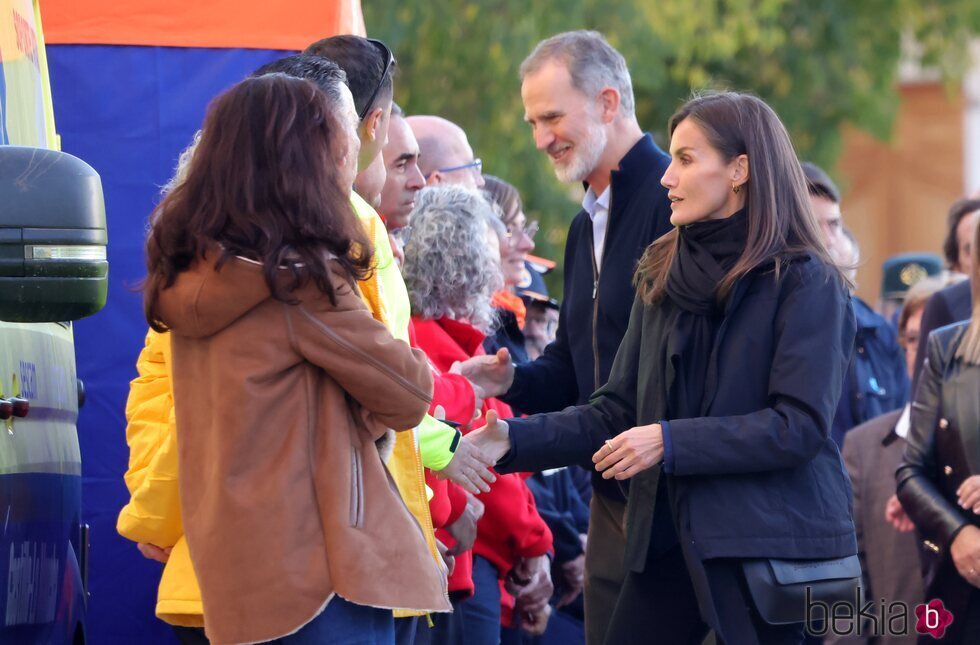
(449, 268)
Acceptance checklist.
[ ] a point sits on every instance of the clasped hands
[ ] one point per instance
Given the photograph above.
(630, 452)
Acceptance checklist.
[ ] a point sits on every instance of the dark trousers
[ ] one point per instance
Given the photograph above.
(190, 635)
(971, 622)
(476, 620)
(604, 572)
(657, 605)
(672, 604)
(736, 620)
(344, 623)
(965, 628)
(406, 630)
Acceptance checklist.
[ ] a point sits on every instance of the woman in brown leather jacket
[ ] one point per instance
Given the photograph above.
(939, 481)
(284, 385)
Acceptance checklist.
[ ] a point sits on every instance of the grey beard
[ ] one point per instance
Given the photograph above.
(586, 159)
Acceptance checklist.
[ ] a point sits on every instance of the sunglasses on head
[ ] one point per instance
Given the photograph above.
(390, 60)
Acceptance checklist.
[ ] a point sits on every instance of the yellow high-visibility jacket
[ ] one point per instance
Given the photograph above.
(153, 512)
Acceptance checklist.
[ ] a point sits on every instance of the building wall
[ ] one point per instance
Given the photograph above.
(896, 194)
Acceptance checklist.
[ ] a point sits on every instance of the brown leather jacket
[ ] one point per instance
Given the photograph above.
(285, 498)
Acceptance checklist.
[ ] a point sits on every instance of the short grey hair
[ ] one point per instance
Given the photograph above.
(448, 268)
(591, 61)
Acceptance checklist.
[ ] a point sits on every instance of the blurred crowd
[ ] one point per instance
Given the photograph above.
(343, 307)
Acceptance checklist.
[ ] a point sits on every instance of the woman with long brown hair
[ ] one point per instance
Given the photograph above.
(719, 403)
(939, 481)
(284, 384)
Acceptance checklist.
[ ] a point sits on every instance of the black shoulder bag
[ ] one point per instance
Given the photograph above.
(779, 587)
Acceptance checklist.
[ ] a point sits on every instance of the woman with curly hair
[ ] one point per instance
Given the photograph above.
(452, 269)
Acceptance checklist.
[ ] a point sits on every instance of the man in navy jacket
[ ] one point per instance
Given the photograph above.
(578, 100)
(877, 380)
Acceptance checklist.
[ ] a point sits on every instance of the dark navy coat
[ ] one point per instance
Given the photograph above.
(758, 474)
(877, 379)
(595, 312)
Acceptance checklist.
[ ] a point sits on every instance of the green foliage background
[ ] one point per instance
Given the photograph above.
(819, 63)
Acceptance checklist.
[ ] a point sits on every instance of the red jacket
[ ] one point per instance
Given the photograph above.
(510, 527)
(453, 394)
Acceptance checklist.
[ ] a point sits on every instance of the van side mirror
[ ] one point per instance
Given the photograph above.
(53, 264)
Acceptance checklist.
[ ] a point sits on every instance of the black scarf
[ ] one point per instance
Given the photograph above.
(706, 252)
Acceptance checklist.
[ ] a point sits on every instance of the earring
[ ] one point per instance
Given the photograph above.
(736, 188)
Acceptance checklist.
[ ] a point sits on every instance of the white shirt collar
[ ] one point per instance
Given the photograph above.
(904, 421)
(591, 203)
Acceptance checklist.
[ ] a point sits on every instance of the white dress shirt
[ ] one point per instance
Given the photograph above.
(904, 421)
(598, 210)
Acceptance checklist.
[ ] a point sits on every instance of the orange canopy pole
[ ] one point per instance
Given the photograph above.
(288, 25)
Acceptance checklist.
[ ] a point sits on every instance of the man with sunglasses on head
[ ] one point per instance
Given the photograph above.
(369, 65)
(446, 156)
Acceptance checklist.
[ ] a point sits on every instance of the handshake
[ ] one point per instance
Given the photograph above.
(479, 450)
(476, 453)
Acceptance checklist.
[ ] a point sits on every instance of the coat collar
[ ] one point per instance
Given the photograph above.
(635, 167)
(464, 335)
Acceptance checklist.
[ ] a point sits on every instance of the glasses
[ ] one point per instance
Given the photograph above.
(530, 229)
(476, 164)
(381, 81)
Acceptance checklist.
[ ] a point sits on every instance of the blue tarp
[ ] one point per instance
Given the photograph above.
(128, 112)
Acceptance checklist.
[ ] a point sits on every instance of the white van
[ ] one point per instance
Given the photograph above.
(53, 270)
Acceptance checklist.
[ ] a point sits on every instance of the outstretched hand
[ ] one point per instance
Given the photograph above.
(469, 468)
(493, 439)
(631, 452)
(493, 374)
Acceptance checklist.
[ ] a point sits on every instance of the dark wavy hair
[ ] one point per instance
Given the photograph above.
(264, 183)
(951, 247)
(780, 219)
